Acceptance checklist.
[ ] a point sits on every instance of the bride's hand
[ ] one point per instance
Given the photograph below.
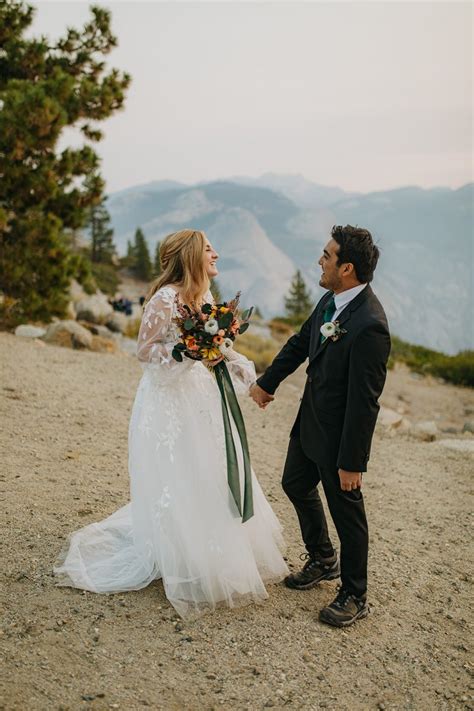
(212, 363)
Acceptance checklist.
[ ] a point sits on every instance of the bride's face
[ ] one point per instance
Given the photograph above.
(210, 259)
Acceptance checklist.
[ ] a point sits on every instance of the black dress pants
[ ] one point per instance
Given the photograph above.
(300, 481)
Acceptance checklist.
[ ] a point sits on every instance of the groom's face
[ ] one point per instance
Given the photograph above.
(331, 272)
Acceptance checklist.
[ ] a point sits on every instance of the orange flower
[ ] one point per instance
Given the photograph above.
(218, 340)
(191, 344)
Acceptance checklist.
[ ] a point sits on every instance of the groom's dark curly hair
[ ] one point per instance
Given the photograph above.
(357, 247)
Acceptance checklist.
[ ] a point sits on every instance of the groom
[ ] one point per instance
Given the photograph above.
(331, 437)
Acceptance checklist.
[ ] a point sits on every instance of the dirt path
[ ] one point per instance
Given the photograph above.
(64, 444)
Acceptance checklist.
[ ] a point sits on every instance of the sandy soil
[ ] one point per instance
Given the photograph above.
(64, 443)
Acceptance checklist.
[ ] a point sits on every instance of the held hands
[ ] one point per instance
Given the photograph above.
(350, 480)
(259, 396)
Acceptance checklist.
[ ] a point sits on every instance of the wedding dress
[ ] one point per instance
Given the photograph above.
(181, 524)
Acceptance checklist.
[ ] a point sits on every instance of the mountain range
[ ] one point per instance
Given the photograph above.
(265, 228)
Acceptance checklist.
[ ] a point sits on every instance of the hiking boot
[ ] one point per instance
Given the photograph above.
(344, 609)
(314, 570)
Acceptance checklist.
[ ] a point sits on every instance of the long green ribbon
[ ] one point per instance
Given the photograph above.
(229, 401)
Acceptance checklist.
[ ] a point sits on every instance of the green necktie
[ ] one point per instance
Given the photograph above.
(329, 312)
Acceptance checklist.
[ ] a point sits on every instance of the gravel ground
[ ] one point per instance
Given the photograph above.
(64, 443)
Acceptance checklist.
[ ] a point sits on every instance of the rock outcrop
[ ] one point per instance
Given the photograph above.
(68, 334)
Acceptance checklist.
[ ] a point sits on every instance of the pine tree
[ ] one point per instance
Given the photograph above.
(102, 243)
(129, 260)
(157, 265)
(298, 303)
(46, 195)
(143, 267)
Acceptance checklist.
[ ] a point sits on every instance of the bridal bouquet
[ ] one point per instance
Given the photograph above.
(209, 332)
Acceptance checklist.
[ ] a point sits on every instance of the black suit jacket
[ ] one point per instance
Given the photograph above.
(339, 407)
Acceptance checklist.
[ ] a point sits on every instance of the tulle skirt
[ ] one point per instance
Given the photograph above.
(181, 524)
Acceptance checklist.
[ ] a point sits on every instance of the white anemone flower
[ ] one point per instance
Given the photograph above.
(226, 345)
(211, 326)
(328, 329)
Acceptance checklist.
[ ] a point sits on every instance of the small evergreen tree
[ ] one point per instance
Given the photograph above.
(143, 267)
(298, 303)
(102, 244)
(157, 265)
(129, 260)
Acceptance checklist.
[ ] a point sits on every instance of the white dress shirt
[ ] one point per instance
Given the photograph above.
(344, 298)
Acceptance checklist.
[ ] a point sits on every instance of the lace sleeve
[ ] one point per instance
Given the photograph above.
(242, 371)
(158, 333)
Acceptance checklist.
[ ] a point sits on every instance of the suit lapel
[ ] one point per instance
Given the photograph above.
(342, 319)
(319, 323)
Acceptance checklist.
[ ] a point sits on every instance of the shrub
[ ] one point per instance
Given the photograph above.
(132, 328)
(281, 328)
(260, 350)
(457, 369)
(105, 276)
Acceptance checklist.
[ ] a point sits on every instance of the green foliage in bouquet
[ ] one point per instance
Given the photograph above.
(45, 195)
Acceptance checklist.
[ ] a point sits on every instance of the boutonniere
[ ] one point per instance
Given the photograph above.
(332, 330)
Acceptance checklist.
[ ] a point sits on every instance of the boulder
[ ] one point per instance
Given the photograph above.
(68, 334)
(117, 322)
(76, 292)
(104, 345)
(426, 431)
(459, 445)
(450, 430)
(389, 418)
(71, 311)
(94, 308)
(27, 331)
(97, 330)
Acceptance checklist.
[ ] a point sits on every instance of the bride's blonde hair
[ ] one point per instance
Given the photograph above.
(182, 264)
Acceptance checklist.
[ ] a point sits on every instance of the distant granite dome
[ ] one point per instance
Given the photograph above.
(264, 235)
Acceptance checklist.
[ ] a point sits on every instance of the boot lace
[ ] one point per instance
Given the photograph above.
(342, 597)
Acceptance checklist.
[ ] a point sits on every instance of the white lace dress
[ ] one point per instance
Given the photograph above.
(182, 524)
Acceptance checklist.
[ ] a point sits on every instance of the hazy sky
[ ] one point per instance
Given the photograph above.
(364, 95)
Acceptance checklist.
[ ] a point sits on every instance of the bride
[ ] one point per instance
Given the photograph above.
(181, 524)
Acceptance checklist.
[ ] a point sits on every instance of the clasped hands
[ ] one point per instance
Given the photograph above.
(260, 396)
